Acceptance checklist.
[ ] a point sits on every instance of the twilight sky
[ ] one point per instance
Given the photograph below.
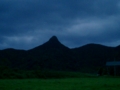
(25, 24)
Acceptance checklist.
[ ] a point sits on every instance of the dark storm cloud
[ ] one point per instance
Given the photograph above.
(75, 22)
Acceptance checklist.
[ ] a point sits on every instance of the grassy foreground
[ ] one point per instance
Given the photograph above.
(61, 84)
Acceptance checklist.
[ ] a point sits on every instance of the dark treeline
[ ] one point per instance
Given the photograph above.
(7, 73)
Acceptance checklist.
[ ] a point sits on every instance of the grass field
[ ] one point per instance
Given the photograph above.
(61, 84)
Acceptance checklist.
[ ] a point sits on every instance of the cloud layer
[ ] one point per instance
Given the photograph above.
(25, 24)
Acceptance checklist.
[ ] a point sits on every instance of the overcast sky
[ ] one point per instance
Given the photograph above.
(25, 24)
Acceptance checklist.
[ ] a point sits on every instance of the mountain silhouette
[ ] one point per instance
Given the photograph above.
(53, 55)
(52, 43)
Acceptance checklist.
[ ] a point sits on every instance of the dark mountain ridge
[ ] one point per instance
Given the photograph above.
(53, 55)
(52, 43)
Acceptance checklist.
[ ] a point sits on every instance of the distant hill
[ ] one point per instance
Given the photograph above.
(53, 55)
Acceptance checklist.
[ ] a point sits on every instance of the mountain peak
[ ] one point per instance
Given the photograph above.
(52, 43)
(54, 38)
